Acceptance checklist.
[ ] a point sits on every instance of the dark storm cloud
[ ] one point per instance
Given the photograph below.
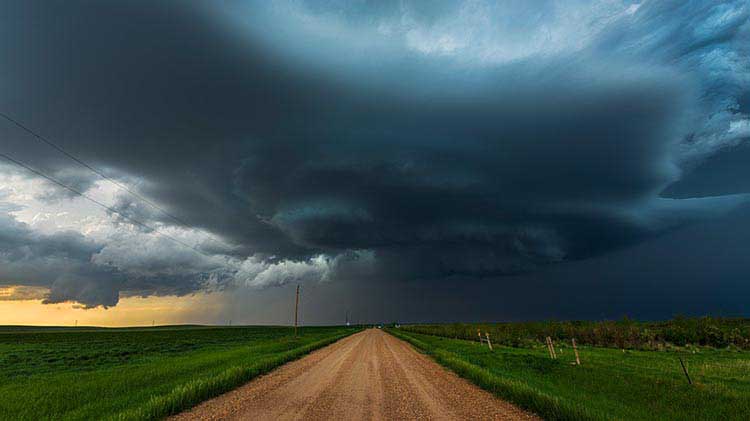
(75, 268)
(59, 261)
(710, 43)
(726, 172)
(293, 130)
(79, 180)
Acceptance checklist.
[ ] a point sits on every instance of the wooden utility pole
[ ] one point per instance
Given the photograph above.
(296, 306)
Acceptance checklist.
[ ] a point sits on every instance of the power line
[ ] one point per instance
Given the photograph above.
(91, 199)
(101, 174)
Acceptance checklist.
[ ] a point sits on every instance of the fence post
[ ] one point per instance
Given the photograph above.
(551, 348)
(488, 340)
(575, 350)
(684, 369)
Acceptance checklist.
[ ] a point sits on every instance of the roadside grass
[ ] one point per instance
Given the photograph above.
(138, 373)
(610, 383)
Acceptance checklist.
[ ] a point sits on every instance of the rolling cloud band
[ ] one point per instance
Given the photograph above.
(412, 141)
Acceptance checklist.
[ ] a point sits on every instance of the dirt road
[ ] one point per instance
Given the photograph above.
(368, 376)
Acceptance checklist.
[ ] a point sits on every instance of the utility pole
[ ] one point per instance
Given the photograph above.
(296, 306)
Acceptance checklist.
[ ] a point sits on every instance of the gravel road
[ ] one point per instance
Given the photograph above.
(367, 376)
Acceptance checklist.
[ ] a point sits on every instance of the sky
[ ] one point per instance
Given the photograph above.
(192, 162)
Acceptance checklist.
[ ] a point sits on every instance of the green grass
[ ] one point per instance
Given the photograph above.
(610, 383)
(90, 373)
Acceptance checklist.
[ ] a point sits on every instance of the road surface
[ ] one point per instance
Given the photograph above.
(367, 376)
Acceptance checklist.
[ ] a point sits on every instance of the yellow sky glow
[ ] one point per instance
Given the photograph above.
(130, 311)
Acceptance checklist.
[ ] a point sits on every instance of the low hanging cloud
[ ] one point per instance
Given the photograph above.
(67, 267)
(60, 262)
(317, 141)
(264, 274)
(77, 179)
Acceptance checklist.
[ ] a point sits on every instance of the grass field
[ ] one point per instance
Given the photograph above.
(137, 373)
(610, 383)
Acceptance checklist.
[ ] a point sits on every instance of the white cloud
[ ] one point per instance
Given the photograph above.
(113, 256)
(259, 274)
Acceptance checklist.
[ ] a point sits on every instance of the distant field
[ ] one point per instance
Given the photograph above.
(626, 333)
(610, 384)
(137, 373)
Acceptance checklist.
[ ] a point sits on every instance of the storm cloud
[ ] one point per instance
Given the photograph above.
(387, 141)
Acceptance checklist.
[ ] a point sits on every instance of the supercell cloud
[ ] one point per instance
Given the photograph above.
(384, 141)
